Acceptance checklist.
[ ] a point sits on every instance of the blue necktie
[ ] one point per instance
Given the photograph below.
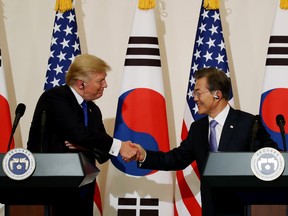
(85, 111)
(213, 141)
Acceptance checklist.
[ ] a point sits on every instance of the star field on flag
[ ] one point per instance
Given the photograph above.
(64, 47)
(209, 50)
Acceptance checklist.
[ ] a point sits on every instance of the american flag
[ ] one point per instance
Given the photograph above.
(209, 51)
(65, 46)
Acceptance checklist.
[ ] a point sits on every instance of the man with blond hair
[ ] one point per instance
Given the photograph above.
(67, 123)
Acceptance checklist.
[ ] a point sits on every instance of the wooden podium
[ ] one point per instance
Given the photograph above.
(54, 176)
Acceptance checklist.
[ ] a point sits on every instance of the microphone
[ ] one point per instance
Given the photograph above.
(281, 122)
(19, 112)
(255, 127)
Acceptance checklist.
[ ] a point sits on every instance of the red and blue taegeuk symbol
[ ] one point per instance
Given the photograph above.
(274, 102)
(141, 118)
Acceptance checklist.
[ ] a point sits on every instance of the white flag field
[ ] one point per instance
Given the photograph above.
(141, 118)
(274, 98)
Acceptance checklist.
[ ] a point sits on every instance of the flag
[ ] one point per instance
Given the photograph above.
(141, 118)
(97, 201)
(6, 124)
(209, 51)
(274, 98)
(64, 47)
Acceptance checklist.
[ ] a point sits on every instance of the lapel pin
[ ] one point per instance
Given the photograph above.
(231, 126)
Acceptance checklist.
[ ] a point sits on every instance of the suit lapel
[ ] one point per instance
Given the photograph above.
(227, 131)
(204, 132)
(76, 105)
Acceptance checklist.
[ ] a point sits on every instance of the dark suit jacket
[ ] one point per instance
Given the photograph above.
(65, 121)
(235, 137)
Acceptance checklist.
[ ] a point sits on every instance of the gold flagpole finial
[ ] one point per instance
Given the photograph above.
(284, 4)
(146, 4)
(63, 5)
(211, 4)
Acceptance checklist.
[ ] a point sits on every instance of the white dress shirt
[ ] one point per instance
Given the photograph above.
(220, 118)
(116, 145)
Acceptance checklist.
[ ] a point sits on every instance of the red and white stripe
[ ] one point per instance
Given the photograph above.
(187, 190)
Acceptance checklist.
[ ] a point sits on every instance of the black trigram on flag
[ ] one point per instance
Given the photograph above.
(277, 51)
(138, 207)
(143, 51)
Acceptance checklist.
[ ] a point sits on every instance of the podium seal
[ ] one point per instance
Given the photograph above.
(18, 163)
(267, 164)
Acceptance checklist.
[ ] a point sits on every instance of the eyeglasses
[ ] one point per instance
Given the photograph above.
(196, 93)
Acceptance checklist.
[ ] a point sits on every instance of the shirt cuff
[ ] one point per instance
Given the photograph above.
(115, 148)
(144, 158)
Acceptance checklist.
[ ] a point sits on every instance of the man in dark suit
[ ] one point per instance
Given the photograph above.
(67, 123)
(233, 134)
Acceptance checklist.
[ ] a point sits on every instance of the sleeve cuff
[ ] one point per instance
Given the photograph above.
(115, 148)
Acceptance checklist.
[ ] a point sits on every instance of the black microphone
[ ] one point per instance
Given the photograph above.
(19, 112)
(254, 129)
(281, 122)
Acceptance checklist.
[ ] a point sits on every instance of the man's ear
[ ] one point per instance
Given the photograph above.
(80, 84)
(217, 95)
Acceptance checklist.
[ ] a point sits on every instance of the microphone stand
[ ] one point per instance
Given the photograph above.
(280, 120)
(19, 112)
(10, 140)
(284, 140)
(255, 128)
(42, 131)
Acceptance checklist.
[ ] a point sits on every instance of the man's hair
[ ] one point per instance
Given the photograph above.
(216, 79)
(83, 66)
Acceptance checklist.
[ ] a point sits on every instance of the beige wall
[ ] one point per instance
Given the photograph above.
(104, 26)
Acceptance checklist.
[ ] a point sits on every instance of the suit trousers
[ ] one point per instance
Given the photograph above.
(78, 202)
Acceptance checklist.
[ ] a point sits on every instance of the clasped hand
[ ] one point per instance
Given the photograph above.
(132, 151)
(129, 151)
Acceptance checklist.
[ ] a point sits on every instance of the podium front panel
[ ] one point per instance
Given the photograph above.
(231, 173)
(55, 176)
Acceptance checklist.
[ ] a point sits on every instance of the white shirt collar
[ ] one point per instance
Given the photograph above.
(221, 117)
(78, 97)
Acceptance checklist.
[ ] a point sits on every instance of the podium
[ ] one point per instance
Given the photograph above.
(55, 175)
(232, 180)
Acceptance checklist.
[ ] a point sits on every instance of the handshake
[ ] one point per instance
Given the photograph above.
(131, 151)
